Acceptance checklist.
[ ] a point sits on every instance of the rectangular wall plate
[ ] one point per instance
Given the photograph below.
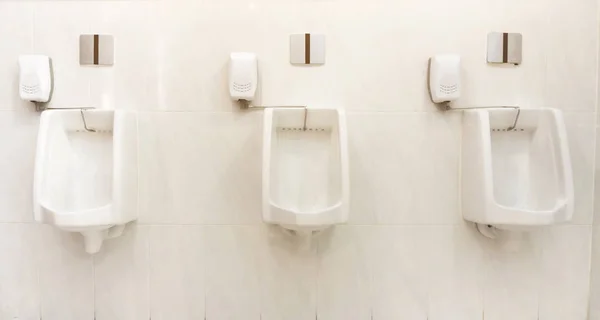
(96, 50)
(505, 47)
(307, 49)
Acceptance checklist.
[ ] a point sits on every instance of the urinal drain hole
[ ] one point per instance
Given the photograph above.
(506, 130)
(302, 129)
(487, 230)
(97, 131)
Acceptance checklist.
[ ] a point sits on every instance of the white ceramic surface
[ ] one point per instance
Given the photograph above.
(305, 168)
(83, 178)
(516, 178)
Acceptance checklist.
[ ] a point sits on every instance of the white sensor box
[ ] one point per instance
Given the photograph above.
(243, 76)
(444, 78)
(35, 78)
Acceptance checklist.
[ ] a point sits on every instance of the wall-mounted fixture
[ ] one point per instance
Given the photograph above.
(243, 76)
(305, 168)
(515, 177)
(35, 78)
(86, 172)
(96, 50)
(307, 49)
(505, 47)
(444, 78)
(305, 157)
(515, 163)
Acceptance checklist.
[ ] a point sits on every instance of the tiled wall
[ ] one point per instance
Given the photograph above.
(200, 249)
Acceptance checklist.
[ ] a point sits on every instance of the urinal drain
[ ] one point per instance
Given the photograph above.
(302, 129)
(97, 131)
(506, 130)
(487, 230)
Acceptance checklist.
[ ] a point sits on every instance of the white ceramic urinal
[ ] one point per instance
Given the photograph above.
(517, 178)
(305, 168)
(86, 179)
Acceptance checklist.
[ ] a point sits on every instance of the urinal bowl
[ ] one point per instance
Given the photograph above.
(516, 178)
(86, 177)
(305, 169)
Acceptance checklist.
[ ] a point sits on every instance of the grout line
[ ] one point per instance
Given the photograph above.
(24, 223)
(317, 287)
(348, 111)
(94, 284)
(204, 273)
(148, 267)
(39, 269)
(352, 225)
(341, 225)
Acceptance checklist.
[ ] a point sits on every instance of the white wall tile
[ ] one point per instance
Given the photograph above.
(581, 133)
(176, 266)
(345, 273)
(458, 265)
(66, 276)
(492, 85)
(16, 32)
(190, 76)
(401, 270)
(512, 276)
(565, 272)
(232, 272)
(18, 135)
(404, 168)
(572, 61)
(283, 83)
(200, 168)
(288, 275)
(57, 26)
(389, 68)
(129, 82)
(19, 283)
(121, 277)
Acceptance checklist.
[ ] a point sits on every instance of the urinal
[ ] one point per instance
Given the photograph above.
(516, 177)
(86, 172)
(305, 168)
